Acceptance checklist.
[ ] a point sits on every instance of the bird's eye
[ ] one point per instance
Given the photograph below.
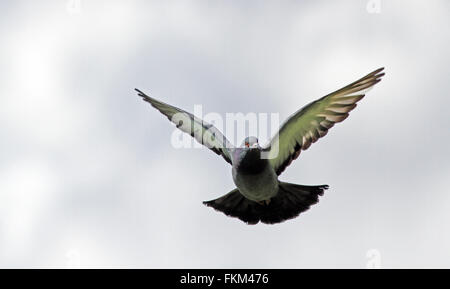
(247, 144)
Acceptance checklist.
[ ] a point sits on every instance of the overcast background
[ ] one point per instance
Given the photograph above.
(88, 177)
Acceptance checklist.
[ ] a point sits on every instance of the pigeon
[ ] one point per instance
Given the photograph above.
(259, 195)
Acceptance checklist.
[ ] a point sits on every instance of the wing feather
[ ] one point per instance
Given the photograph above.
(314, 120)
(201, 131)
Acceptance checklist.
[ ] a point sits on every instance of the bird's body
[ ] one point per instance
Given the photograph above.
(260, 196)
(253, 175)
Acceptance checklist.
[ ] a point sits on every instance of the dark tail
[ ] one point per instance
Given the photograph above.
(290, 201)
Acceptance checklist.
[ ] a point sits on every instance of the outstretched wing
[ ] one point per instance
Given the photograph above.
(203, 132)
(314, 120)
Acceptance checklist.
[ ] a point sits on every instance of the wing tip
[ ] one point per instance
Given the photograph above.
(378, 70)
(377, 74)
(373, 75)
(140, 93)
(144, 96)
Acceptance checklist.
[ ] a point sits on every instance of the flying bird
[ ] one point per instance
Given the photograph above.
(259, 195)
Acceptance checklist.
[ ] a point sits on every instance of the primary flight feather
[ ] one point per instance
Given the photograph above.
(259, 195)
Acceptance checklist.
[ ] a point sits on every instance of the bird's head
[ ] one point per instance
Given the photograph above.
(250, 142)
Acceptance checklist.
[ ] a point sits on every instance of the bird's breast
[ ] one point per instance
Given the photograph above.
(255, 178)
(251, 163)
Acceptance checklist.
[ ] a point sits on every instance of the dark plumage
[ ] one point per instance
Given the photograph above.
(290, 201)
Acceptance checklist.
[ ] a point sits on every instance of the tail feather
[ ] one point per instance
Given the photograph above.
(290, 201)
(234, 204)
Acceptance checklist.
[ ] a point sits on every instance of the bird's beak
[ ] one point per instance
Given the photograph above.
(255, 145)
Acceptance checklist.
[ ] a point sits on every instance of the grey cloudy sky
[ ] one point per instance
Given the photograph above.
(88, 176)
